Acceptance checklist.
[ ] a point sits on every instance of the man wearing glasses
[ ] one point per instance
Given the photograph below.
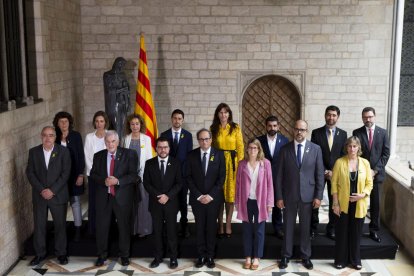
(163, 182)
(205, 175)
(299, 189)
(375, 148)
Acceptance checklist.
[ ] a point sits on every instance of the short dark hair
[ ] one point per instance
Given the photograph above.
(63, 115)
(177, 111)
(162, 139)
(333, 108)
(102, 114)
(272, 118)
(368, 109)
(202, 130)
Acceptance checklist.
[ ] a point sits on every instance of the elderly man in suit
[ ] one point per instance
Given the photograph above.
(271, 143)
(163, 182)
(299, 188)
(48, 170)
(114, 171)
(181, 142)
(376, 149)
(331, 139)
(206, 172)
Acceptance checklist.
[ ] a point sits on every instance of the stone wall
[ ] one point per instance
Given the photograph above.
(55, 70)
(397, 204)
(197, 49)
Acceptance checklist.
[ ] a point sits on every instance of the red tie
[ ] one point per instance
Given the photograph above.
(111, 172)
(370, 139)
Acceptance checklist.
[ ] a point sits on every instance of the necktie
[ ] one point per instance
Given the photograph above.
(162, 169)
(370, 139)
(175, 142)
(299, 155)
(204, 163)
(330, 139)
(111, 172)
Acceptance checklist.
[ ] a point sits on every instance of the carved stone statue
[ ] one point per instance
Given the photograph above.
(117, 95)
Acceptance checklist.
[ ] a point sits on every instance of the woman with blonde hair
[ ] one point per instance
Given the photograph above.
(254, 201)
(351, 186)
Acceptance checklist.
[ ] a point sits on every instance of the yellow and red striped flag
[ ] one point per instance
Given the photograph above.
(144, 104)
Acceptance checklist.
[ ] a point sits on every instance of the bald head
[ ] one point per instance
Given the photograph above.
(300, 130)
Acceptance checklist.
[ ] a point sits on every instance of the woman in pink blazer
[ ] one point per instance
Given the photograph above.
(254, 201)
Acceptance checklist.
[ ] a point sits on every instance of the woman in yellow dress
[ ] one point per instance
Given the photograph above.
(227, 136)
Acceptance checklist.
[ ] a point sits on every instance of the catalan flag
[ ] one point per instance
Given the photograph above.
(144, 104)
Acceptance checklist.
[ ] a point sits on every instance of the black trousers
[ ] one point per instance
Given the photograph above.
(165, 218)
(182, 202)
(91, 206)
(374, 207)
(253, 231)
(348, 238)
(104, 210)
(277, 219)
(332, 217)
(40, 212)
(206, 224)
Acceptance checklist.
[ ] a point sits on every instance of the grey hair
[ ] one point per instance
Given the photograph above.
(111, 133)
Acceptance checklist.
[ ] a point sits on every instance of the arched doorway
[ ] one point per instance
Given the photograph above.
(270, 95)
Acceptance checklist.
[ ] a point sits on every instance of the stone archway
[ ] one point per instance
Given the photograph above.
(270, 95)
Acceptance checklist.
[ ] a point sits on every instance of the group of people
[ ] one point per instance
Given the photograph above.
(272, 176)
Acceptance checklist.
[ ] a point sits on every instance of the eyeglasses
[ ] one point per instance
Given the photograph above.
(162, 148)
(300, 129)
(252, 148)
(203, 139)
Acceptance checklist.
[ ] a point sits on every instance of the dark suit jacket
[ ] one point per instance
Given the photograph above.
(329, 156)
(126, 163)
(185, 145)
(54, 177)
(171, 184)
(280, 142)
(305, 183)
(211, 183)
(77, 156)
(380, 152)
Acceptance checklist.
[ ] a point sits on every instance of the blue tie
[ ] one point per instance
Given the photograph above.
(299, 155)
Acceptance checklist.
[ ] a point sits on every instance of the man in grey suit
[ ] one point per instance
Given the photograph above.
(48, 170)
(299, 188)
(375, 148)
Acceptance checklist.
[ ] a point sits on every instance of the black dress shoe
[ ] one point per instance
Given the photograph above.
(338, 266)
(210, 263)
(173, 263)
(37, 260)
(307, 263)
(283, 262)
(100, 261)
(199, 263)
(330, 234)
(63, 260)
(357, 267)
(374, 236)
(155, 263)
(279, 233)
(124, 261)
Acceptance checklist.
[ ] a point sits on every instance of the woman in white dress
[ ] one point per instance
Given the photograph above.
(141, 143)
(94, 142)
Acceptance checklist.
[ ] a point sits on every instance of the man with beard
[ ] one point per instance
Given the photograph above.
(375, 148)
(331, 139)
(181, 143)
(299, 188)
(271, 143)
(163, 181)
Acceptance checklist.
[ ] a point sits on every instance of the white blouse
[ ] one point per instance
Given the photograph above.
(253, 173)
(93, 144)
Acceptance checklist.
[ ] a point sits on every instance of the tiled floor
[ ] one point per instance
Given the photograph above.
(401, 266)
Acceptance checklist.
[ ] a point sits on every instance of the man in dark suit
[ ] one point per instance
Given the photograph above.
(163, 182)
(114, 171)
(375, 148)
(206, 172)
(299, 188)
(331, 139)
(271, 143)
(48, 170)
(181, 143)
